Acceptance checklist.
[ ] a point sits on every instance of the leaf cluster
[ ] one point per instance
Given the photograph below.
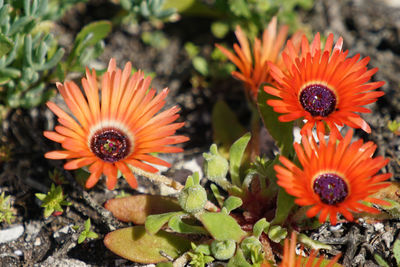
(53, 200)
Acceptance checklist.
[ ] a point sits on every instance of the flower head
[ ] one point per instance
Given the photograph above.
(335, 176)
(322, 84)
(118, 129)
(254, 69)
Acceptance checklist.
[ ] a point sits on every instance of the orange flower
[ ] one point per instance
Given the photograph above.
(335, 177)
(290, 259)
(118, 129)
(253, 74)
(323, 85)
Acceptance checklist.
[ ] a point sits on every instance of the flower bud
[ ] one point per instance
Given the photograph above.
(193, 198)
(223, 250)
(215, 166)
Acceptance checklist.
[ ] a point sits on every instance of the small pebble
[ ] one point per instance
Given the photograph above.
(18, 253)
(378, 227)
(12, 233)
(38, 242)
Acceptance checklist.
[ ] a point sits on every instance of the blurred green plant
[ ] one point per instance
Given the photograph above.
(152, 10)
(29, 53)
(88, 45)
(53, 200)
(6, 211)
(394, 127)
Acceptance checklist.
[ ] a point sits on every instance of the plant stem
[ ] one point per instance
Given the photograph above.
(158, 178)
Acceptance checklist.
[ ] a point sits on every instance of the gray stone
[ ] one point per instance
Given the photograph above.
(11, 234)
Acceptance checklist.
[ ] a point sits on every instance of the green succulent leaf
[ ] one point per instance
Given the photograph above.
(221, 226)
(154, 223)
(138, 207)
(217, 194)
(238, 260)
(236, 153)
(252, 249)
(88, 37)
(5, 44)
(232, 203)
(276, 233)
(223, 250)
(260, 226)
(135, 244)
(177, 225)
(282, 132)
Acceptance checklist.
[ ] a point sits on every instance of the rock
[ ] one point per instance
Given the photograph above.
(11, 234)
(52, 262)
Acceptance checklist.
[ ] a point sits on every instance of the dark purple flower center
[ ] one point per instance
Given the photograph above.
(110, 144)
(318, 99)
(330, 188)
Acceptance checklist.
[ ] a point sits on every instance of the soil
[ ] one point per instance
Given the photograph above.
(369, 27)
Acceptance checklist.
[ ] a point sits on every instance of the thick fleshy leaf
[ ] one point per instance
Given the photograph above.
(227, 128)
(276, 233)
(232, 203)
(155, 222)
(135, 244)
(136, 208)
(177, 225)
(222, 226)
(5, 44)
(91, 34)
(260, 226)
(238, 260)
(236, 153)
(282, 132)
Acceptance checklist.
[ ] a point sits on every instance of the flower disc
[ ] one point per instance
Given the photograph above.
(330, 188)
(110, 144)
(317, 99)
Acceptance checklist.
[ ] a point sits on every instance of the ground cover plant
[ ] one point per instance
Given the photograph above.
(198, 133)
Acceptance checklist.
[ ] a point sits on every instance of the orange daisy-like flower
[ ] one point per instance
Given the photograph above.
(321, 84)
(290, 259)
(335, 177)
(117, 129)
(255, 72)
